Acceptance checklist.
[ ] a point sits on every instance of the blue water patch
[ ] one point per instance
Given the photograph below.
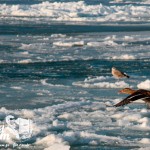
(21, 82)
(40, 29)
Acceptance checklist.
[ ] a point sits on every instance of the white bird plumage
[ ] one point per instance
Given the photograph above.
(118, 74)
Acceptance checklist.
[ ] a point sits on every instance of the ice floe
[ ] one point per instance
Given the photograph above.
(101, 82)
(120, 84)
(124, 57)
(144, 85)
(62, 47)
(69, 44)
(48, 121)
(77, 11)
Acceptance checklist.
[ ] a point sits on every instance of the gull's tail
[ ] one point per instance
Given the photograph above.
(126, 75)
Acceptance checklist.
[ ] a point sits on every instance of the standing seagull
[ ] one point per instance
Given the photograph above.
(118, 74)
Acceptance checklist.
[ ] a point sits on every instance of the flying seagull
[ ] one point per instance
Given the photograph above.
(134, 95)
(118, 74)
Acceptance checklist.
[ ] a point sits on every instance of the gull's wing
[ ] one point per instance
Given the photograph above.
(139, 94)
(120, 73)
(126, 75)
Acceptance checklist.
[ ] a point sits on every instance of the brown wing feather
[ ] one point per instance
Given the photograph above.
(121, 74)
(123, 102)
(139, 94)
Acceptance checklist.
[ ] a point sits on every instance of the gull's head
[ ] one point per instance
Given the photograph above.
(127, 91)
(113, 68)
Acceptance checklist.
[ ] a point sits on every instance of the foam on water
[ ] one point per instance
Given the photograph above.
(120, 84)
(25, 61)
(145, 141)
(44, 82)
(52, 142)
(144, 85)
(16, 87)
(130, 46)
(77, 11)
(101, 82)
(69, 44)
(124, 57)
(105, 43)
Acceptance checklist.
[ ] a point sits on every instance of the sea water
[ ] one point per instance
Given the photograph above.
(55, 69)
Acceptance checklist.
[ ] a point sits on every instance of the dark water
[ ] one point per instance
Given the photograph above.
(43, 29)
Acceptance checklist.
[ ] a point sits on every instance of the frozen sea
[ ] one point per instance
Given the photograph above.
(55, 69)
